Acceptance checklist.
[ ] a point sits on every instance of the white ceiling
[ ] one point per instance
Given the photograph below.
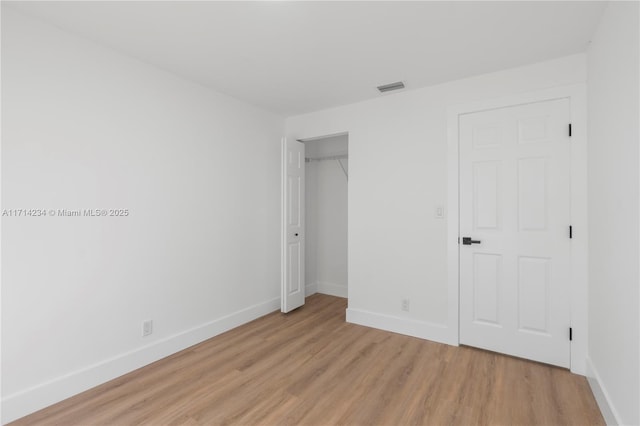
(296, 57)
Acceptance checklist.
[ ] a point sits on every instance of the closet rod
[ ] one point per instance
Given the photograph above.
(329, 157)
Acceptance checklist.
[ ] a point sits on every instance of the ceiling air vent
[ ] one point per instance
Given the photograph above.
(391, 86)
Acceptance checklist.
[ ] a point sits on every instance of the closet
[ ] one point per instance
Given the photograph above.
(327, 175)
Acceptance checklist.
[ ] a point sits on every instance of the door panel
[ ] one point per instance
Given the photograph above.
(486, 178)
(292, 280)
(532, 194)
(486, 287)
(294, 261)
(515, 200)
(533, 294)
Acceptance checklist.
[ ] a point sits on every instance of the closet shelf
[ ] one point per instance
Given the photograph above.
(328, 157)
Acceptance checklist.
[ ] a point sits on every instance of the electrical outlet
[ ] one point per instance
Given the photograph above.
(147, 327)
(405, 305)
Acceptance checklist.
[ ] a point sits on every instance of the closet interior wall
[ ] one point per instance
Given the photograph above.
(326, 215)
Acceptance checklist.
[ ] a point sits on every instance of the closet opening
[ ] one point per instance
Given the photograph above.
(326, 206)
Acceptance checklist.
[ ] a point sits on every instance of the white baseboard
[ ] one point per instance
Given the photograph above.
(607, 408)
(310, 289)
(422, 329)
(40, 396)
(333, 289)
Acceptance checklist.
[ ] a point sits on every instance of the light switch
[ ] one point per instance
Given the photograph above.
(439, 212)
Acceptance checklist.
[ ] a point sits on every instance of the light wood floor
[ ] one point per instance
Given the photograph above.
(309, 367)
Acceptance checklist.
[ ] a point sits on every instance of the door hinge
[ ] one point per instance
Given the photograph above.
(570, 231)
(570, 333)
(569, 129)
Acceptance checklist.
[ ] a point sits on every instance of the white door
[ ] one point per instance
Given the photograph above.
(292, 274)
(515, 208)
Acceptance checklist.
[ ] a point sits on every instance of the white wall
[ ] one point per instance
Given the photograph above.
(326, 217)
(613, 211)
(397, 178)
(87, 128)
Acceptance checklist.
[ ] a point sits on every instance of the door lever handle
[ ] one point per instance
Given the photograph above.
(467, 241)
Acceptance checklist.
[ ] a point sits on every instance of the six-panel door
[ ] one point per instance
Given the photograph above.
(515, 200)
(293, 225)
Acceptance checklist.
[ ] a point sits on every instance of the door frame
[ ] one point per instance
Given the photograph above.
(304, 137)
(578, 287)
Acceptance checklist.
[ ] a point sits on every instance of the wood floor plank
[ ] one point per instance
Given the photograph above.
(310, 367)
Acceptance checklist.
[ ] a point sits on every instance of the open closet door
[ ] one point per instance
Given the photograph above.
(292, 268)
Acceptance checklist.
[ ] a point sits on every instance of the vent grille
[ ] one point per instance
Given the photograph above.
(391, 86)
